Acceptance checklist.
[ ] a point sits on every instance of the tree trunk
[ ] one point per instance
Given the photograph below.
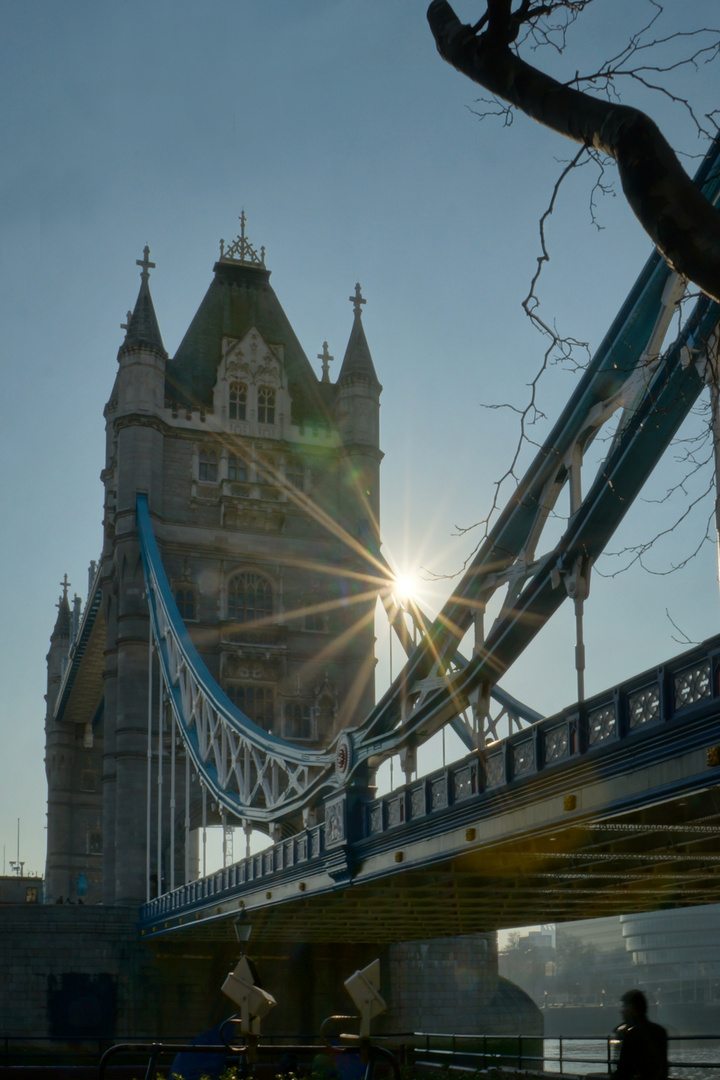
(684, 226)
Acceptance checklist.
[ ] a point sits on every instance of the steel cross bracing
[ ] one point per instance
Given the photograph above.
(655, 393)
(264, 779)
(250, 772)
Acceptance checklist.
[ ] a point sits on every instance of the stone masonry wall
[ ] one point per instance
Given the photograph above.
(451, 985)
(69, 969)
(73, 970)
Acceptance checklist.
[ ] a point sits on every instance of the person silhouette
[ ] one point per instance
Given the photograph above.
(643, 1044)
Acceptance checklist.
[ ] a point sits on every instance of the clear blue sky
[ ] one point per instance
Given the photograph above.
(354, 151)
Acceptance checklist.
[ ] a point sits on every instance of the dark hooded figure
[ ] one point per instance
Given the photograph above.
(643, 1044)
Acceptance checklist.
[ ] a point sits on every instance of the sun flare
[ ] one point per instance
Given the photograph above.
(406, 586)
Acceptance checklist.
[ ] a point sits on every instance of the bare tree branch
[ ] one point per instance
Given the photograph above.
(684, 226)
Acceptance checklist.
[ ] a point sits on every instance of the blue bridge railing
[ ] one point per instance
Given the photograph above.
(675, 692)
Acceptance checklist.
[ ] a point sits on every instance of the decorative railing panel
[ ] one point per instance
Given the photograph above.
(439, 792)
(644, 706)
(523, 757)
(464, 782)
(692, 685)
(495, 769)
(376, 818)
(396, 811)
(602, 725)
(557, 743)
(417, 802)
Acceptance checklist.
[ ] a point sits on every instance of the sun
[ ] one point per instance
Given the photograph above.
(405, 586)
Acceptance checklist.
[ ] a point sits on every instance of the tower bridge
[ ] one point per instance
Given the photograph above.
(222, 672)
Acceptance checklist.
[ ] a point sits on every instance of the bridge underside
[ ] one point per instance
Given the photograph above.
(637, 862)
(581, 846)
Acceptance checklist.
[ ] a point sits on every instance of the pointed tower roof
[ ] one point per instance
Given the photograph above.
(357, 363)
(62, 623)
(142, 330)
(239, 297)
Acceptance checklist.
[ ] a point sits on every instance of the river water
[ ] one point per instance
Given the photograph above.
(690, 1059)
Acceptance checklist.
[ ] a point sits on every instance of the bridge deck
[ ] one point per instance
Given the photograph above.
(608, 808)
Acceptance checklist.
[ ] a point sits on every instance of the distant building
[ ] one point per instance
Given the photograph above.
(676, 955)
(17, 889)
(573, 964)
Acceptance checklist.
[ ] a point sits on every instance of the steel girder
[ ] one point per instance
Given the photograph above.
(264, 779)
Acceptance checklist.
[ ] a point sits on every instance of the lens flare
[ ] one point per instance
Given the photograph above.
(406, 586)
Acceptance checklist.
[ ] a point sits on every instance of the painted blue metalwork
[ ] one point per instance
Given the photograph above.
(644, 720)
(670, 397)
(641, 444)
(311, 771)
(231, 753)
(404, 716)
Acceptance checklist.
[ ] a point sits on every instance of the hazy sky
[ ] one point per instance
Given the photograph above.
(356, 155)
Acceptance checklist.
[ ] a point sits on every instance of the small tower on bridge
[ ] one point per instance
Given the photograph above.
(262, 481)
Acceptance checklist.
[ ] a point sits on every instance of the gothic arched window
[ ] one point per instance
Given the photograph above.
(266, 405)
(237, 469)
(208, 466)
(295, 474)
(298, 724)
(255, 701)
(314, 620)
(249, 597)
(185, 600)
(238, 401)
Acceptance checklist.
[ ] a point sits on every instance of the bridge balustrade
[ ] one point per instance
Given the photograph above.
(297, 850)
(652, 698)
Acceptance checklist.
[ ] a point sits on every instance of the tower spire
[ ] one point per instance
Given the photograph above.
(141, 329)
(357, 363)
(62, 622)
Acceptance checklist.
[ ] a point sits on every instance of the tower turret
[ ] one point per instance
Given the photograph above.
(139, 394)
(58, 754)
(357, 412)
(135, 444)
(59, 647)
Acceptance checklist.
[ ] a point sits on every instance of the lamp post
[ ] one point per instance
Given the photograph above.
(243, 930)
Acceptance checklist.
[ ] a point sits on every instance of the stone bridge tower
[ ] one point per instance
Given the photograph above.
(262, 480)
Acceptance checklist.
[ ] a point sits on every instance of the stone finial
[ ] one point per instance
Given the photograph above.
(145, 264)
(357, 300)
(241, 250)
(326, 359)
